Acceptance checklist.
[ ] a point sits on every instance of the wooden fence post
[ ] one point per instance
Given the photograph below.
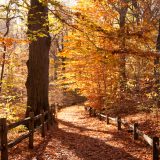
(155, 148)
(107, 119)
(135, 134)
(4, 143)
(31, 130)
(42, 123)
(119, 123)
(48, 119)
(55, 110)
(90, 111)
(85, 108)
(99, 116)
(51, 115)
(94, 113)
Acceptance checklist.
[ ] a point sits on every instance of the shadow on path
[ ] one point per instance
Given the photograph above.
(81, 129)
(70, 142)
(84, 147)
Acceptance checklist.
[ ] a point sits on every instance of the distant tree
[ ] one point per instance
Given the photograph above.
(122, 22)
(158, 38)
(8, 13)
(156, 68)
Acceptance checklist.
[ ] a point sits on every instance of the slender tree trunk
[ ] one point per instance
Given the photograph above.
(38, 63)
(56, 60)
(136, 14)
(7, 24)
(63, 60)
(158, 38)
(156, 69)
(137, 75)
(123, 77)
(2, 67)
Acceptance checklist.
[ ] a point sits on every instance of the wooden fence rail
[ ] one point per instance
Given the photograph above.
(153, 142)
(46, 119)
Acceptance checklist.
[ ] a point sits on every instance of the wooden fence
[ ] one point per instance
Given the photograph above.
(153, 142)
(44, 118)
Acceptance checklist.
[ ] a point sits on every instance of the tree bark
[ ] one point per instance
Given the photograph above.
(7, 24)
(158, 38)
(123, 77)
(3, 66)
(38, 64)
(156, 68)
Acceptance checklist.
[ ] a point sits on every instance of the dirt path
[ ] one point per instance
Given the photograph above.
(80, 137)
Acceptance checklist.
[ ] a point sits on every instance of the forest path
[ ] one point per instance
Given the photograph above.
(80, 137)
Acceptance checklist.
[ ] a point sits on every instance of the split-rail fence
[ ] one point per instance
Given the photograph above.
(137, 134)
(45, 120)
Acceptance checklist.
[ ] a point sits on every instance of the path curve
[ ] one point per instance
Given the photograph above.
(80, 137)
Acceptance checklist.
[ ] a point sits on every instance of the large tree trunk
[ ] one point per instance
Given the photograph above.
(38, 63)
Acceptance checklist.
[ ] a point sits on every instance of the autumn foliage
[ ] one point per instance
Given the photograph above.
(110, 56)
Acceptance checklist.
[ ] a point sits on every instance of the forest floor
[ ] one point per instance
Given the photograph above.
(80, 137)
